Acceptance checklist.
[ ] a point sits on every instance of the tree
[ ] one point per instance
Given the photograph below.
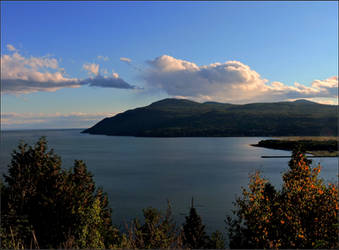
(194, 231)
(30, 193)
(304, 214)
(217, 241)
(48, 205)
(158, 231)
(309, 214)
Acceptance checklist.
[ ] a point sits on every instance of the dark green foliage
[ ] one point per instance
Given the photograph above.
(306, 145)
(158, 231)
(179, 118)
(217, 241)
(46, 204)
(194, 231)
(32, 188)
(194, 235)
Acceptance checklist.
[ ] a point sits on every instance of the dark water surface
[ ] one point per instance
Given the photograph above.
(141, 172)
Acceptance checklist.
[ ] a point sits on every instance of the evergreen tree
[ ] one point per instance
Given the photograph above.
(194, 231)
(29, 198)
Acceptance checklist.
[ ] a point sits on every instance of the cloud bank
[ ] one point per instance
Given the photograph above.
(231, 81)
(14, 120)
(22, 75)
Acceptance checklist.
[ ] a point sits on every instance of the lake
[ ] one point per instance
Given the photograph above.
(141, 172)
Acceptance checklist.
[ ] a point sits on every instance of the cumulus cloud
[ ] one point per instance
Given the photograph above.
(320, 89)
(10, 47)
(14, 120)
(125, 59)
(92, 68)
(22, 75)
(231, 81)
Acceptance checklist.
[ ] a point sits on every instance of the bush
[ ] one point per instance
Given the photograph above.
(304, 214)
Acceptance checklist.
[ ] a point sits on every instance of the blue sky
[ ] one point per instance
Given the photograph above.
(69, 64)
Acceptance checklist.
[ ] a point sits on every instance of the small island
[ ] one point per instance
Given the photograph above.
(317, 146)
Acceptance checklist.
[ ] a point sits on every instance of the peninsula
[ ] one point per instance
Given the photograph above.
(322, 146)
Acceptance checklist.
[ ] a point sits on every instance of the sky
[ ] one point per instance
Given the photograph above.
(70, 64)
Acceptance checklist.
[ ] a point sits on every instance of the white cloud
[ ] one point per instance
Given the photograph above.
(10, 47)
(104, 58)
(125, 59)
(92, 68)
(23, 75)
(231, 81)
(14, 120)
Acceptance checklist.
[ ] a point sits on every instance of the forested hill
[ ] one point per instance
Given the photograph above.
(178, 118)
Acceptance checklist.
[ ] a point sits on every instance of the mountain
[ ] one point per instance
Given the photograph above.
(178, 117)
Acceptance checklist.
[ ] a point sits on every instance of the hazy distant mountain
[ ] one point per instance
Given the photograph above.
(178, 117)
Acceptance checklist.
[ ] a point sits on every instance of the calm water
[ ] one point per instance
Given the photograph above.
(141, 172)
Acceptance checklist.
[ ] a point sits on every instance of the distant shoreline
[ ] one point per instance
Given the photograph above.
(37, 129)
(320, 146)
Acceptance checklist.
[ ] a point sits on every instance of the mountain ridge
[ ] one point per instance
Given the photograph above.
(172, 117)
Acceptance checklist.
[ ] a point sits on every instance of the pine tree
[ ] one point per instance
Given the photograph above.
(194, 231)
